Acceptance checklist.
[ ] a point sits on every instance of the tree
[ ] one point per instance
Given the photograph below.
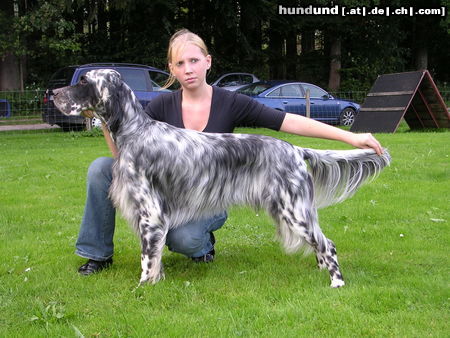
(37, 30)
(11, 61)
(342, 53)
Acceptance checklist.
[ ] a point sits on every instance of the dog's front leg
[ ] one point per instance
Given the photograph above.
(153, 238)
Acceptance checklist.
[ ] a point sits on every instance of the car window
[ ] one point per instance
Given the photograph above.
(315, 92)
(155, 85)
(291, 90)
(246, 79)
(254, 89)
(275, 93)
(158, 77)
(135, 78)
(230, 80)
(61, 78)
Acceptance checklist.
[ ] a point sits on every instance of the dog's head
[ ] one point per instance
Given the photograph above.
(90, 95)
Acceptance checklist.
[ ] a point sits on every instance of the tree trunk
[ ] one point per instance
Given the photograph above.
(276, 59)
(308, 41)
(11, 70)
(334, 80)
(421, 41)
(10, 75)
(250, 26)
(291, 56)
(421, 58)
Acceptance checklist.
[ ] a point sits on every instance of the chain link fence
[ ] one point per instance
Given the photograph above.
(24, 110)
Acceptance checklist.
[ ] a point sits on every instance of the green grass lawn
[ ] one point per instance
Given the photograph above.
(392, 239)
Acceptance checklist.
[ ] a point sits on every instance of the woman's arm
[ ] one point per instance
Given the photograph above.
(300, 125)
(109, 141)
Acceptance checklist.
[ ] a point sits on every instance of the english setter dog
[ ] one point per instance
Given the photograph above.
(165, 176)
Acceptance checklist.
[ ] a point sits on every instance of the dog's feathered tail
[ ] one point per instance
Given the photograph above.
(338, 174)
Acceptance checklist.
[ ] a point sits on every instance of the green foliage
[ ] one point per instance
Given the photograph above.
(242, 35)
(44, 28)
(392, 239)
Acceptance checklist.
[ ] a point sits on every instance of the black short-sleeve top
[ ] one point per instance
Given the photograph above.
(228, 111)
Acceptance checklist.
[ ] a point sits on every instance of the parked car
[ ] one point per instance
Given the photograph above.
(233, 81)
(290, 96)
(145, 81)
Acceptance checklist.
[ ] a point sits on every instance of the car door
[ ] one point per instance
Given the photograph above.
(289, 98)
(323, 107)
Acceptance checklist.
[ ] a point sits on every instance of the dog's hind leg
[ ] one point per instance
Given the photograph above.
(327, 259)
(298, 225)
(297, 230)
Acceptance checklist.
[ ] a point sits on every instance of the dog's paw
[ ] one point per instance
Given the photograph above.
(146, 277)
(337, 283)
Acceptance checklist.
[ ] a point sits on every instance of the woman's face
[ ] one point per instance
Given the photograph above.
(190, 67)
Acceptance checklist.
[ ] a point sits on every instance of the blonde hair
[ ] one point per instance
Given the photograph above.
(177, 43)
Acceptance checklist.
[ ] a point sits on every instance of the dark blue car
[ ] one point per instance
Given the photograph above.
(145, 81)
(290, 96)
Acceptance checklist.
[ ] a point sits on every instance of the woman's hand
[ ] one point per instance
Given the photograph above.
(300, 125)
(366, 141)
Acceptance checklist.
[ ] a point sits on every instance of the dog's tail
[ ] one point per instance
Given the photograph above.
(338, 174)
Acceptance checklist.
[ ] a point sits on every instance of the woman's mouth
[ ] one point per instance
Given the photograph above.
(190, 79)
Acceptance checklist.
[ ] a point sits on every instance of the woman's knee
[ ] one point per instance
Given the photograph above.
(100, 169)
(184, 241)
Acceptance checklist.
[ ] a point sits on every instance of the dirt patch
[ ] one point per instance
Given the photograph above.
(27, 127)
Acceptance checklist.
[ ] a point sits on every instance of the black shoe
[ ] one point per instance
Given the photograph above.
(92, 266)
(209, 257)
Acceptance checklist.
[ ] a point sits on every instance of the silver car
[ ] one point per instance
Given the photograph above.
(233, 81)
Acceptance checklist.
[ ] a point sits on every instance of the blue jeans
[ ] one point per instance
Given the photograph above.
(95, 240)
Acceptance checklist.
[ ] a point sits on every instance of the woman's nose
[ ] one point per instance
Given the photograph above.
(187, 68)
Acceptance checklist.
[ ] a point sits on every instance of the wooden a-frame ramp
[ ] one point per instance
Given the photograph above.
(411, 95)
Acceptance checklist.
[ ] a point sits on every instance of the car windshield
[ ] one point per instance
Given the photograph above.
(135, 78)
(61, 78)
(254, 89)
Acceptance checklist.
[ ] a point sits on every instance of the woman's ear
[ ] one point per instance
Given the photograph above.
(209, 61)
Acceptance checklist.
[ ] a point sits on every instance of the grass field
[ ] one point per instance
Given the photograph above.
(392, 239)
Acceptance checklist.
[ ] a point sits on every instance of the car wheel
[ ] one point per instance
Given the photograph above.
(347, 117)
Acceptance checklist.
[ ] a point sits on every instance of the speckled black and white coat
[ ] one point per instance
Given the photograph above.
(165, 176)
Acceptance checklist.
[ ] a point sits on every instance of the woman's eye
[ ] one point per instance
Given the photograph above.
(181, 63)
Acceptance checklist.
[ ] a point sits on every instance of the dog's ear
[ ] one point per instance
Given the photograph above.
(113, 76)
(114, 110)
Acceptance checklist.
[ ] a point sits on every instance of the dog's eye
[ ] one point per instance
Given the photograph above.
(83, 80)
